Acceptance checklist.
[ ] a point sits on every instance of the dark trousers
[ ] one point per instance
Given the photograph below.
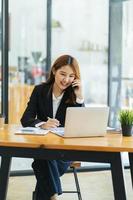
(48, 174)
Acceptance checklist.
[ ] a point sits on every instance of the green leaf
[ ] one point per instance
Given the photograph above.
(126, 117)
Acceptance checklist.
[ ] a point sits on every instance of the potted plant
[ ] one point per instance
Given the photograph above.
(126, 120)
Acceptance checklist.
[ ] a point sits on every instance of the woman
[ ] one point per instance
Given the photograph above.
(47, 109)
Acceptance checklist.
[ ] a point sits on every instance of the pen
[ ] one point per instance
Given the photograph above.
(53, 119)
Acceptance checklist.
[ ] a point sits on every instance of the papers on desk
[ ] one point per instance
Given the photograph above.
(59, 131)
(38, 131)
(115, 130)
(110, 129)
(30, 131)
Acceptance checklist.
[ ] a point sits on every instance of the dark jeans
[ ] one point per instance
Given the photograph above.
(48, 174)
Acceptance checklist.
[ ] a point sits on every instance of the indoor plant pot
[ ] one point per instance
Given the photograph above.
(126, 120)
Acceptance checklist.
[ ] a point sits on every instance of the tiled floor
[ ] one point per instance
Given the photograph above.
(94, 186)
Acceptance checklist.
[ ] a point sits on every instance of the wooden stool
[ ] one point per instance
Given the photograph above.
(73, 166)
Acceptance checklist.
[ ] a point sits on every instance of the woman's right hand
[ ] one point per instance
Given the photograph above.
(51, 123)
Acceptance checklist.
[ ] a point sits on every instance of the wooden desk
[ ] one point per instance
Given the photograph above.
(99, 149)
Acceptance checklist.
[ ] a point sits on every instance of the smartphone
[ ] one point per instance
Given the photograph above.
(74, 87)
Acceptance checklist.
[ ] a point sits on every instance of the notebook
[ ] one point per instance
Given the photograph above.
(30, 131)
(84, 122)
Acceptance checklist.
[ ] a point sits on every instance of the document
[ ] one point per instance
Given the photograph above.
(109, 129)
(59, 131)
(30, 131)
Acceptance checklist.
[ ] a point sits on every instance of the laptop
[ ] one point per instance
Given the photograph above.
(84, 122)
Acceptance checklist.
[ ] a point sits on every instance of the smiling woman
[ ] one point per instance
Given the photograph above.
(47, 109)
(64, 77)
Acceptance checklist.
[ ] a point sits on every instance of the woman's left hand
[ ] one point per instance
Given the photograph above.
(76, 85)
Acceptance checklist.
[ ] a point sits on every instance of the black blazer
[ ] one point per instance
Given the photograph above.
(40, 106)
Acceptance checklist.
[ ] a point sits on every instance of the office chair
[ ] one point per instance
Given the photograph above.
(73, 166)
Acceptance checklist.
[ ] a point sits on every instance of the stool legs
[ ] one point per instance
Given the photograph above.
(77, 183)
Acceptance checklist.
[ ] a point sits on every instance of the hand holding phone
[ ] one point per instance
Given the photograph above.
(76, 85)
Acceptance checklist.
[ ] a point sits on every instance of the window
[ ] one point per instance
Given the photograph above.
(121, 59)
(80, 28)
(27, 53)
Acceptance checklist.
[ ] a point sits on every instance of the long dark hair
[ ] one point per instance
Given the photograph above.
(60, 62)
